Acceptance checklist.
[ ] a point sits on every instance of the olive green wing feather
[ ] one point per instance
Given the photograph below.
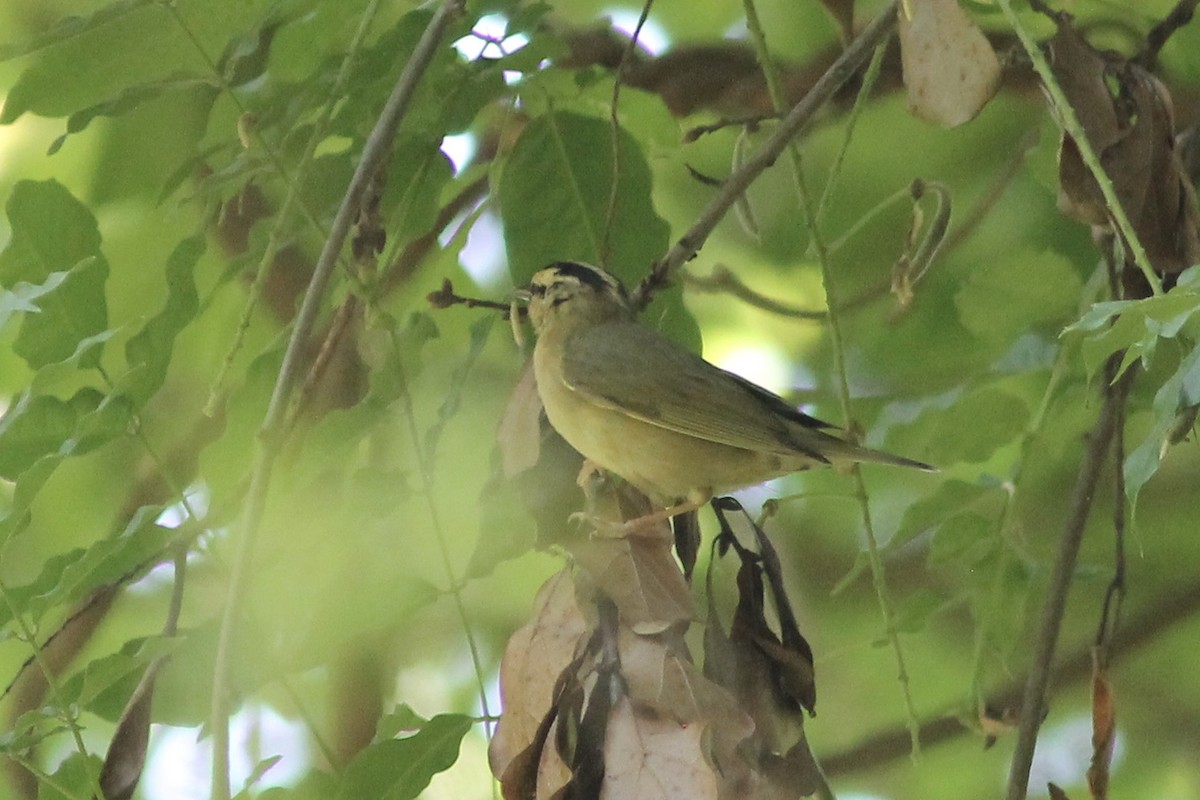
(628, 368)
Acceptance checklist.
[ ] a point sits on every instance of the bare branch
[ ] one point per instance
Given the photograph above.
(1142, 629)
(1033, 705)
(736, 185)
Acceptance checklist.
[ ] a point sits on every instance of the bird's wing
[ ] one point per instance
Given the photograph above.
(628, 368)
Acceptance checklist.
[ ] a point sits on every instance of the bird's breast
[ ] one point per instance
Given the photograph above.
(663, 463)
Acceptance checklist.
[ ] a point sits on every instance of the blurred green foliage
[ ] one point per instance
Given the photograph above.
(145, 150)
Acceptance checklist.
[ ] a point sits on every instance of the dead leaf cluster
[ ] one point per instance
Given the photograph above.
(602, 697)
(1128, 117)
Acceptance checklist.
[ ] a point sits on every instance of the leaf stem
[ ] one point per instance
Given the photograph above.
(837, 340)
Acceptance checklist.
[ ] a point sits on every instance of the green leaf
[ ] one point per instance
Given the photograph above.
(22, 297)
(452, 402)
(109, 560)
(76, 776)
(51, 232)
(124, 101)
(1005, 297)
(400, 769)
(69, 27)
(41, 425)
(949, 498)
(32, 428)
(1135, 326)
(27, 487)
(554, 194)
(1181, 390)
(982, 421)
(256, 775)
(73, 312)
(149, 351)
(30, 729)
(86, 61)
(402, 720)
(914, 610)
(963, 539)
(419, 170)
(53, 263)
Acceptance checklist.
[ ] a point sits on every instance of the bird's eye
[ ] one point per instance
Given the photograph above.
(536, 289)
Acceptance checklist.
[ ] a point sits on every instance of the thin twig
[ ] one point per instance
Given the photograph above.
(878, 575)
(1033, 704)
(721, 279)
(445, 297)
(67, 712)
(1180, 15)
(376, 150)
(736, 184)
(275, 239)
(610, 213)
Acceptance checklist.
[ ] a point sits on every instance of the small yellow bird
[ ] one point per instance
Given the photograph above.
(639, 405)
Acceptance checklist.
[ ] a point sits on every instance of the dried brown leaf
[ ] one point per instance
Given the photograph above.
(649, 757)
(126, 756)
(641, 577)
(553, 773)
(1127, 115)
(950, 69)
(534, 658)
(660, 676)
(1104, 729)
(1056, 793)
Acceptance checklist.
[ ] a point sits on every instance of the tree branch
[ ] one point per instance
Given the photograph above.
(1033, 705)
(375, 152)
(1142, 629)
(739, 181)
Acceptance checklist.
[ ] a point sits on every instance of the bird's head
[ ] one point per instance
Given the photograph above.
(567, 294)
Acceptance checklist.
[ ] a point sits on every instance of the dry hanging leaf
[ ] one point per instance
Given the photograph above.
(649, 757)
(637, 572)
(126, 756)
(1104, 730)
(534, 658)
(950, 69)
(660, 676)
(519, 433)
(1127, 116)
(641, 577)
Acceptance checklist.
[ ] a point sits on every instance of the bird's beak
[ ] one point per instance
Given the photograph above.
(523, 295)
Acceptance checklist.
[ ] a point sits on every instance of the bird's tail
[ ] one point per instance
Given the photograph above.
(842, 454)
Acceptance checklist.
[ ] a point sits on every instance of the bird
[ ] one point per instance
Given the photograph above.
(639, 405)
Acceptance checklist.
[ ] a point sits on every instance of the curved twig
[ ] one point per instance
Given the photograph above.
(801, 114)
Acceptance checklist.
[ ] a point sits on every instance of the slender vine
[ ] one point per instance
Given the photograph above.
(837, 340)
